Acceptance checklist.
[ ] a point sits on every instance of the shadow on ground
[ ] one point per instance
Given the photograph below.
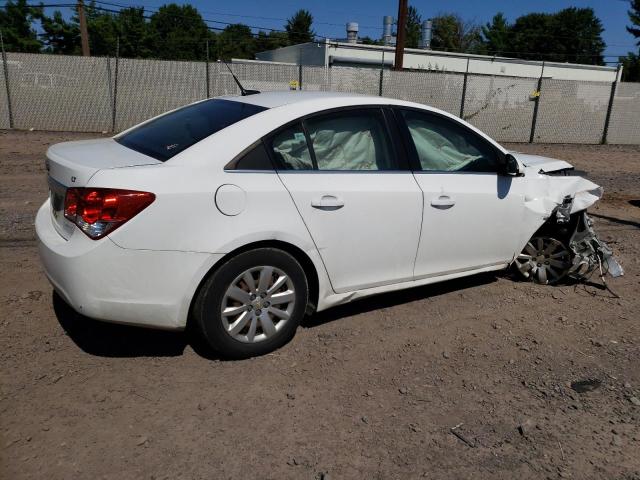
(122, 341)
(620, 221)
(111, 340)
(399, 297)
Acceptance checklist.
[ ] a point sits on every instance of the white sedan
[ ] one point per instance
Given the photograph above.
(241, 214)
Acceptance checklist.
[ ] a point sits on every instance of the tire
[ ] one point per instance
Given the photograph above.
(252, 288)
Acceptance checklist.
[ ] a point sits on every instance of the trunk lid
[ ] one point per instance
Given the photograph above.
(72, 164)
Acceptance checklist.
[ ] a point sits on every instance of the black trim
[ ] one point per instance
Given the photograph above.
(312, 152)
(232, 165)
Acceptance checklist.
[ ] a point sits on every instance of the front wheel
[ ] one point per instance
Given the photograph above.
(544, 260)
(252, 304)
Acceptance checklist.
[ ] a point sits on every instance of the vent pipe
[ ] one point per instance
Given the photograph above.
(387, 25)
(425, 35)
(352, 32)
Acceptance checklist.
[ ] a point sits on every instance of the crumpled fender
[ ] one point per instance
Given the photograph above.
(545, 193)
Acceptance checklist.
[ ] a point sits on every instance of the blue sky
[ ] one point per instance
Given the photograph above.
(330, 16)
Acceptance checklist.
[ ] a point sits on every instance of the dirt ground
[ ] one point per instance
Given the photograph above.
(368, 390)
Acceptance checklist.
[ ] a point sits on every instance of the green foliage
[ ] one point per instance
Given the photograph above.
(271, 41)
(134, 33)
(570, 35)
(60, 36)
(178, 32)
(634, 16)
(414, 21)
(497, 35)
(452, 33)
(102, 28)
(630, 67)
(16, 20)
(370, 41)
(298, 27)
(236, 41)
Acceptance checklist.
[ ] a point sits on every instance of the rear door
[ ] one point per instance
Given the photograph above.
(361, 205)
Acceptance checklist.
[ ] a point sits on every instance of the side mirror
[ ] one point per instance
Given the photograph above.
(509, 166)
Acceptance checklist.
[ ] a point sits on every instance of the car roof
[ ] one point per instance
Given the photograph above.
(288, 97)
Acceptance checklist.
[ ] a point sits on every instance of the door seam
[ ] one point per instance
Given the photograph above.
(308, 231)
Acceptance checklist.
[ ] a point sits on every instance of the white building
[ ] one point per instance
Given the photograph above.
(338, 53)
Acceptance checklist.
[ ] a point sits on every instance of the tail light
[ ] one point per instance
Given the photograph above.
(99, 211)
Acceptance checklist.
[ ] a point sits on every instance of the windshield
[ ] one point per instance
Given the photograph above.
(174, 132)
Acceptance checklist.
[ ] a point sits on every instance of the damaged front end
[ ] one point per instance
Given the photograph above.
(566, 246)
(590, 253)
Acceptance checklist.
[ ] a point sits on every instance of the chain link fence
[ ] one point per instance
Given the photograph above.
(93, 94)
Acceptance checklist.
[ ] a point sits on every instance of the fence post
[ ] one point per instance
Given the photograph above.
(300, 77)
(607, 119)
(109, 85)
(115, 87)
(6, 81)
(464, 90)
(381, 75)
(207, 72)
(535, 107)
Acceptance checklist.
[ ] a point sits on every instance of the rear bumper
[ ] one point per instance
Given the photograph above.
(104, 281)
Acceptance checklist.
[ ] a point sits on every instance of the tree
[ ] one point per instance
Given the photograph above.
(452, 33)
(177, 32)
(579, 34)
(270, 41)
(102, 28)
(133, 30)
(570, 35)
(370, 41)
(497, 35)
(630, 67)
(631, 63)
(236, 41)
(59, 35)
(298, 27)
(16, 21)
(414, 24)
(634, 16)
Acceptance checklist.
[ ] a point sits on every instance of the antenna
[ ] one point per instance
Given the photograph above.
(243, 91)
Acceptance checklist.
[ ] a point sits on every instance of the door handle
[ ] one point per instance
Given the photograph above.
(442, 202)
(327, 202)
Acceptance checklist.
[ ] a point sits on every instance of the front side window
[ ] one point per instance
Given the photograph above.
(351, 140)
(443, 145)
(290, 149)
(174, 132)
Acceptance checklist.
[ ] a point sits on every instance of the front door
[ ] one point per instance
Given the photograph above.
(362, 209)
(471, 213)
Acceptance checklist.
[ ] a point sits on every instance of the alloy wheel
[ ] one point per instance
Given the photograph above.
(544, 260)
(257, 304)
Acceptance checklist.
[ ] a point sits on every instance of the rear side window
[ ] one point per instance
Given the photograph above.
(173, 133)
(256, 158)
(352, 140)
(291, 150)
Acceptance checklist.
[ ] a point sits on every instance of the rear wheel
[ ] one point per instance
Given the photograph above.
(252, 304)
(544, 260)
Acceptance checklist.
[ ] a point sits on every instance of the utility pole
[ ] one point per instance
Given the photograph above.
(84, 35)
(400, 34)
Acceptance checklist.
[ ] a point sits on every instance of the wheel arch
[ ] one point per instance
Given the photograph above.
(296, 252)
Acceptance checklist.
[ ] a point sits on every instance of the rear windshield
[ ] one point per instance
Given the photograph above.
(170, 134)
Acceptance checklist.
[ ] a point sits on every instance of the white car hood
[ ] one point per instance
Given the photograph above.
(541, 164)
